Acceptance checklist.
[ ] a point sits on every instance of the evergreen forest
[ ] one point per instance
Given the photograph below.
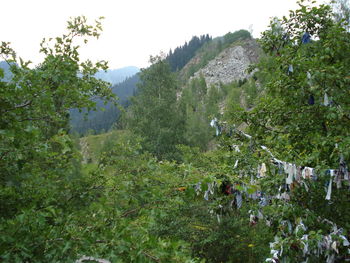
(180, 165)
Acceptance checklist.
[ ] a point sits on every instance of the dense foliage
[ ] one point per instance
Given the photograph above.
(230, 38)
(153, 114)
(302, 118)
(39, 166)
(167, 189)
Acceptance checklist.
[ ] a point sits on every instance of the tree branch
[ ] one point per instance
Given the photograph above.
(25, 104)
(150, 256)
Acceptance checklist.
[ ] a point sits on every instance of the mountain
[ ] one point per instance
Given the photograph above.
(127, 88)
(123, 82)
(230, 64)
(220, 61)
(116, 76)
(102, 120)
(220, 50)
(215, 81)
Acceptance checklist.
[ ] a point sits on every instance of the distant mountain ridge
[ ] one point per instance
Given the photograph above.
(115, 76)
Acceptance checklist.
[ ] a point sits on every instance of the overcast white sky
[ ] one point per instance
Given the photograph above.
(133, 29)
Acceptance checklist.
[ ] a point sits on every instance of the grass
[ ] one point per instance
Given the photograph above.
(96, 143)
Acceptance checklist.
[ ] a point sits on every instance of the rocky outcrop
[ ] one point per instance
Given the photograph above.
(231, 64)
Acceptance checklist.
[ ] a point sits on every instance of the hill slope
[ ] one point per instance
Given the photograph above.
(231, 64)
(104, 119)
(223, 60)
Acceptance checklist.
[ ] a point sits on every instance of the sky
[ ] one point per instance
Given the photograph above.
(133, 29)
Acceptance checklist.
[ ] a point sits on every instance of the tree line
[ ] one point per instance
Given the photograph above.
(183, 54)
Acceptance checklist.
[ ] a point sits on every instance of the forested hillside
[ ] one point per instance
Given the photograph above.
(104, 116)
(116, 76)
(203, 165)
(124, 84)
(183, 54)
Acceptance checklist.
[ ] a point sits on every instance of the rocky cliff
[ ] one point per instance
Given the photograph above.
(231, 64)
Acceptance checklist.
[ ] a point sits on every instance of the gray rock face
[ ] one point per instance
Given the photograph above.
(230, 65)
